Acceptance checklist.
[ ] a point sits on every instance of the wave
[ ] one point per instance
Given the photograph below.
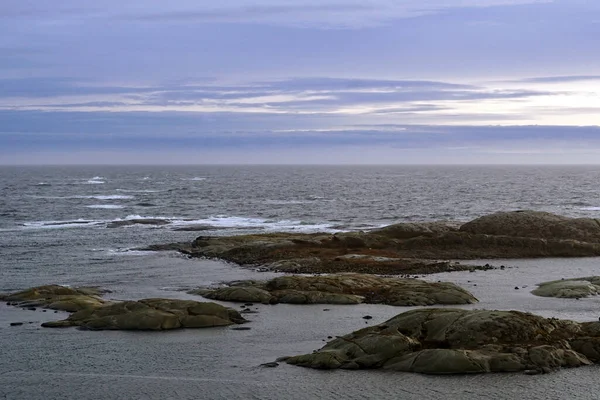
(216, 222)
(106, 197)
(139, 191)
(196, 178)
(78, 223)
(43, 184)
(105, 206)
(224, 221)
(590, 208)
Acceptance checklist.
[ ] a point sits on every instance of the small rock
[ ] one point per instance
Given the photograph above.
(16, 323)
(329, 337)
(270, 365)
(31, 308)
(502, 267)
(241, 328)
(248, 304)
(8, 303)
(55, 312)
(532, 372)
(367, 317)
(326, 309)
(516, 288)
(248, 311)
(43, 310)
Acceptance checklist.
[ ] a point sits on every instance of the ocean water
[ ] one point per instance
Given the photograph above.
(55, 227)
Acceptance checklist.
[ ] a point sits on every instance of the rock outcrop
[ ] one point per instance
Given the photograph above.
(151, 314)
(57, 297)
(341, 289)
(406, 248)
(569, 288)
(536, 224)
(92, 312)
(454, 341)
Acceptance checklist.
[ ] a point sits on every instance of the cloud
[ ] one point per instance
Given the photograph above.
(560, 79)
(298, 13)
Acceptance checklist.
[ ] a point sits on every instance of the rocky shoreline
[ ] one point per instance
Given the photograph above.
(355, 267)
(405, 248)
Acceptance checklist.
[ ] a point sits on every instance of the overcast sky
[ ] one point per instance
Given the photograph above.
(299, 81)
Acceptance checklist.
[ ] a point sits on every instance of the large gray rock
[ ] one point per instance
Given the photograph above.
(57, 297)
(151, 314)
(342, 289)
(536, 224)
(454, 341)
(569, 288)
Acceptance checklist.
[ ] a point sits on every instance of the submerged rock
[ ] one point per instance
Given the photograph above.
(455, 341)
(569, 288)
(137, 221)
(341, 289)
(151, 314)
(57, 297)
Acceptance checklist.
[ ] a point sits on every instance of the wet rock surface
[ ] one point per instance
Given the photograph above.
(341, 289)
(151, 314)
(569, 288)
(91, 312)
(56, 297)
(455, 341)
(406, 248)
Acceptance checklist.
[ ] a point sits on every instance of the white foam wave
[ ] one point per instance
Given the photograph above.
(43, 184)
(219, 221)
(284, 202)
(138, 191)
(106, 197)
(78, 223)
(105, 206)
(196, 178)
(224, 221)
(94, 182)
(129, 252)
(590, 208)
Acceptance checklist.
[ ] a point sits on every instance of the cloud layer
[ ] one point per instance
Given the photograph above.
(475, 76)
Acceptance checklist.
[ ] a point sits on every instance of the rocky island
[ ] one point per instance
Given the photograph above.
(341, 289)
(92, 312)
(455, 341)
(406, 248)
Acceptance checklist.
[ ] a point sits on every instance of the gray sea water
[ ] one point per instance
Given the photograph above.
(54, 228)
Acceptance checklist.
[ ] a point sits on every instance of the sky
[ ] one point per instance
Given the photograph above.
(300, 82)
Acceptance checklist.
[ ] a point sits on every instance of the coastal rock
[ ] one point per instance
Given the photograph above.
(342, 289)
(536, 224)
(410, 230)
(57, 297)
(151, 314)
(455, 341)
(406, 248)
(569, 288)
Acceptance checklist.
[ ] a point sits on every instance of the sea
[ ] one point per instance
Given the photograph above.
(75, 225)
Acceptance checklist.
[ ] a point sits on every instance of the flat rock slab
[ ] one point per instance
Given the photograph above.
(151, 314)
(341, 289)
(569, 288)
(455, 341)
(92, 312)
(56, 297)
